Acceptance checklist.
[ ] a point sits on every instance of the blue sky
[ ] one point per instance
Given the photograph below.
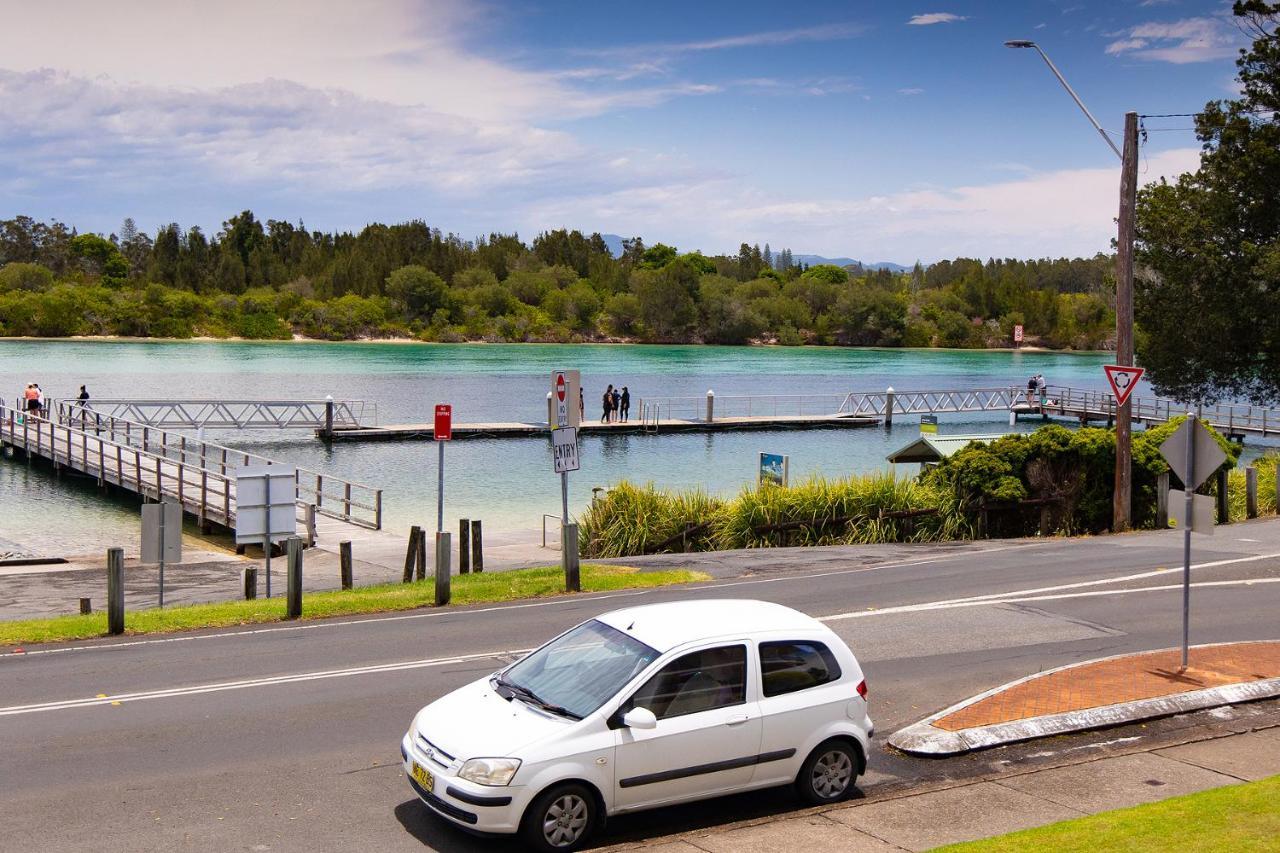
(883, 131)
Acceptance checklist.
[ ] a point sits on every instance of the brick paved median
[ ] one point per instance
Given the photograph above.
(1122, 679)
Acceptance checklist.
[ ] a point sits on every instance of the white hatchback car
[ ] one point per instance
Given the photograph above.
(644, 707)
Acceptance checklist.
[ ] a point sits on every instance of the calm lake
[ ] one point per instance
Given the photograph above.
(509, 483)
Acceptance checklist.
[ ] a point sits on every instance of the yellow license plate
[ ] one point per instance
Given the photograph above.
(423, 777)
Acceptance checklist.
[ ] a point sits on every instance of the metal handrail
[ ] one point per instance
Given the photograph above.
(334, 497)
(227, 414)
(545, 516)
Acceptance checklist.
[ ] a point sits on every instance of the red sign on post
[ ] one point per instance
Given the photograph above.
(444, 422)
(1017, 334)
(1123, 380)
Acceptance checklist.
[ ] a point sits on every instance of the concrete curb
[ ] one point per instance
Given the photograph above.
(926, 739)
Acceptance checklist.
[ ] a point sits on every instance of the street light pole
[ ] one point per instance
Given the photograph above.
(1122, 503)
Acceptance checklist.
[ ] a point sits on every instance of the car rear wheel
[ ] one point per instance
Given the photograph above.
(561, 819)
(829, 773)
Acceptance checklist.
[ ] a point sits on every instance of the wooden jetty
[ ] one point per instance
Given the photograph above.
(155, 464)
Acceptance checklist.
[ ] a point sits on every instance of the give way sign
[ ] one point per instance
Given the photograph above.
(1123, 380)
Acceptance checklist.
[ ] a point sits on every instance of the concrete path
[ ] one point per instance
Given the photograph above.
(987, 808)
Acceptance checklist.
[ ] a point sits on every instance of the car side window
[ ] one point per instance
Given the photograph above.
(795, 665)
(699, 681)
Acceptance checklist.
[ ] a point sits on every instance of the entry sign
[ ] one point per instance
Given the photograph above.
(1123, 380)
(564, 444)
(565, 385)
(444, 423)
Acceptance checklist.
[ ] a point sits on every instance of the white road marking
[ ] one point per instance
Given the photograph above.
(436, 614)
(220, 686)
(998, 597)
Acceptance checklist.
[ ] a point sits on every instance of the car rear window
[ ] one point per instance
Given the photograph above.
(786, 667)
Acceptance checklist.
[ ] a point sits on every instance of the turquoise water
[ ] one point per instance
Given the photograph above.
(508, 483)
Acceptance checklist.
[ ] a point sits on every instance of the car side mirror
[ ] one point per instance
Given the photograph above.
(640, 718)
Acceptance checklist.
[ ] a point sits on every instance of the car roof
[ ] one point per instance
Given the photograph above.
(666, 626)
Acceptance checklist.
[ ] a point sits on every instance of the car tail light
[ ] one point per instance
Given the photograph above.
(862, 688)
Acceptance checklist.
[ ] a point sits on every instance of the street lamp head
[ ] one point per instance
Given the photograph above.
(1019, 43)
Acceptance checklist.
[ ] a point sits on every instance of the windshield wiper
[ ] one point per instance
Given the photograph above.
(531, 698)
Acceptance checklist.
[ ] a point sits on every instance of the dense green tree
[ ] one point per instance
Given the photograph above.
(419, 291)
(1209, 243)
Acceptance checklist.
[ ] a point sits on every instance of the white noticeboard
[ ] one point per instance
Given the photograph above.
(564, 443)
(565, 391)
(162, 533)
(265, 503)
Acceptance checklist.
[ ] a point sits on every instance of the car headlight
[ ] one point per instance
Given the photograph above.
(490, 771)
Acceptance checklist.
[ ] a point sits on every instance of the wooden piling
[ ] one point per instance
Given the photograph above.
(464, 546)
(86, 606)
(1223, 515)
(115, 590)
(344, 562)
(1251, 492)
(250, 583)
(411, 553)
(569, 542)
(293, 593)
(422, 556)
(477, 547)
(1162, 501)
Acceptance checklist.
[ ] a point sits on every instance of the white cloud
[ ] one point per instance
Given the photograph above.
(1068, 212)
(1179, 42)
(935, 18)
(911, 91)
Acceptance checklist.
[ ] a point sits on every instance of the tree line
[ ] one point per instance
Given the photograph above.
(274, 279)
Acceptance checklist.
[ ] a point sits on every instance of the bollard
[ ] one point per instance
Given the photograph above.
(1251, 492)
(464, 546)
(293, 594)
(569, 544)
(1162, 501)
(309, 521)
(888, 407)
(344, 562)
(328, 417)
(1222, 498)
(477, 548)
(551, 411)
(443, 554)
(411, 553)
(422, 555)
(115, 590)
(86, 606)
(711, 405)
(250, 583)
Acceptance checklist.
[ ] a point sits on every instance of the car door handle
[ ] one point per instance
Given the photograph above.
(737, 721)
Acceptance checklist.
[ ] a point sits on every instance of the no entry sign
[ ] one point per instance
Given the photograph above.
(564, 398)
(444, 423)
(1123, 380)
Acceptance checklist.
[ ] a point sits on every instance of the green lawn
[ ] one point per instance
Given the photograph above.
(1234, 819)
(467, 589)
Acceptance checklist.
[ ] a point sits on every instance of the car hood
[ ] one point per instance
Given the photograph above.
(475, 722)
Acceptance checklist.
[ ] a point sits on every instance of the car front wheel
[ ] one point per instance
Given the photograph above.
(828, 773)
(561, 819)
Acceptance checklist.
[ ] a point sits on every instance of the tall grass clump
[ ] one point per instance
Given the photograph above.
(632, 519)
(1236, 502)
(820, 511)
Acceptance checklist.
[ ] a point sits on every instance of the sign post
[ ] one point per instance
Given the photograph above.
(775, 469)
(565, 385)
(1193, 455)
(442, 432)
(1123, 379)
(266, 507)
(1017, 336)
(162, 536)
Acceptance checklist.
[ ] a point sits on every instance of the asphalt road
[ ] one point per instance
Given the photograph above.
(286, 737)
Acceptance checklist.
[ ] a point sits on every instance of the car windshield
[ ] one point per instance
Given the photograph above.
(579, 671)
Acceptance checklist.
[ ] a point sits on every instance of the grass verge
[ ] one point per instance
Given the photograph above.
(484, 588)
(1237, 818)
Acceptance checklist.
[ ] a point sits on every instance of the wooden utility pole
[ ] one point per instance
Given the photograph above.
(1123, 501)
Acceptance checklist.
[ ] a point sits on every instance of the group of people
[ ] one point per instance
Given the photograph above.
(34, 403)
(617, 405)
(1036, 390)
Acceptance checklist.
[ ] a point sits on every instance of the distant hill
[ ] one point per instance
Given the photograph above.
(614, 242)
